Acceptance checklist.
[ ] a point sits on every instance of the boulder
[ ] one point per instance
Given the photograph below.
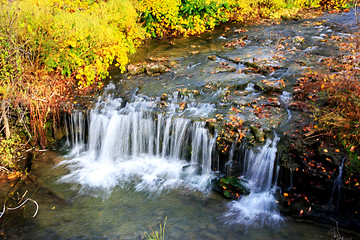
(231, 187)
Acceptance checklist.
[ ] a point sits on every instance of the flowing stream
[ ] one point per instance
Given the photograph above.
(137, 157)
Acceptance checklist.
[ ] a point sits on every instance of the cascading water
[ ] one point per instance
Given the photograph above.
(76, 126)
(139, 144)
(259, 207)
(336, 192)
(285, 98)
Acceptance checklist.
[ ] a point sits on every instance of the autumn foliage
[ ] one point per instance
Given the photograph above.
(334, 99)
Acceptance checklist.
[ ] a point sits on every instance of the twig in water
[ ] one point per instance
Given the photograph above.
(22, 204)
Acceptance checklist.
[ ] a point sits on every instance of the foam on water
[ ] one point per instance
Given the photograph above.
(139, 146)
(259, 207)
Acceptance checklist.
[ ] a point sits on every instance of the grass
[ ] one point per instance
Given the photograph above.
(334, 99)
(157, 235)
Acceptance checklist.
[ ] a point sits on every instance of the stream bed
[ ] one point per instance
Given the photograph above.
(145, 150)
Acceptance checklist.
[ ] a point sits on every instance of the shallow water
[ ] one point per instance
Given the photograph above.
(125, 213)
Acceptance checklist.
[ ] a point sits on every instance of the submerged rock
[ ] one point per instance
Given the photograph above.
(315, 181)
(136, 69)
(299, 39)
(157, 66)
(212, 57)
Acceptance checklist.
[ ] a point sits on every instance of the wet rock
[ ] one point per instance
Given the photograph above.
(291, 17)
(240, 85)
(136, 69)
(155, 68)
(236, 42)
(212, 57)
(162, 104)
(234, 59)
(262, 67)
(169, 64)
(251, 65)
(231, 187)
(269, 86)
(258, 133)
(224, 69)
(211, 126)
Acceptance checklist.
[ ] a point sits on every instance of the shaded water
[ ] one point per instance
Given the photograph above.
(132, 162)
(125, 213)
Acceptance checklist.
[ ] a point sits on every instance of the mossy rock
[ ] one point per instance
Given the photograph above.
(231, 187)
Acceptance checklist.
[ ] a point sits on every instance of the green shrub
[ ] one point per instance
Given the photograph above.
(9, 150)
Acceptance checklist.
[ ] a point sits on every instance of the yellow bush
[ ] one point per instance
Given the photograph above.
(78, 37)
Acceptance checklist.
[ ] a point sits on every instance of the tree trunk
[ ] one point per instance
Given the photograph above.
(5, 119)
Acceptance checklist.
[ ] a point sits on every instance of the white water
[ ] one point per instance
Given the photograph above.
(259, 207)
(336, 192)
(138, 144)
(286, 98)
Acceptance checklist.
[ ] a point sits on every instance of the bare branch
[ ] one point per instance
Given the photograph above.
(22, 204)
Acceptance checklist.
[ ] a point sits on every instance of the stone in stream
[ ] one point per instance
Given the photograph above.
(224, 67)
(155, 68)
(310, 166)
(270, 85)
(148, 68)
(258, 133)
(212, 57)
(231, 187)
(299, 39)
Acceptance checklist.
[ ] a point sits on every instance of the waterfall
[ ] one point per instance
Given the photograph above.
(336, 192)
(75, 128)
(138, 144)
(259, 207)
(286, 98)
